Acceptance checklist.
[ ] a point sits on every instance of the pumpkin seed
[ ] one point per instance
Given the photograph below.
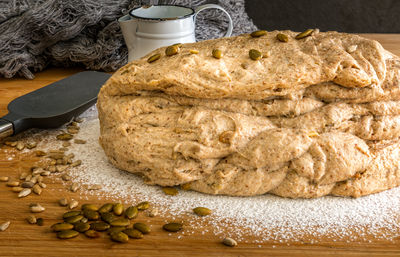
(186, 186)
(131, 212)
(17, 189)
(73, 204)
(99, 226)
(80, 141)
(173, 227)
(64, 136)
(73, 219)
(258, 33)
(81, 227)
(61, 226)
(89, 206)
(91, 215)
(92, 234)
(115, 230)
(12, 183)
(31, 219)
(282, 37)
(106, 207)
(119, 237)
(31, 145)
(133, 233)
(5, 225)
(304, 34)
(37, 189)
(70, 214)
(153, 58)
(171, 50)
(143, 206)
(40, 221)
(144, 228)
(20, 146)
(217, 54)
(36, 208)
(118, 208)
(202, 211)
(63, 202)
(4, 179)
(255, 54)
(229, 242)
(25, 192)
(67, 234)
(170, 190)
(107, 217)
(121, 222)
(192, 51)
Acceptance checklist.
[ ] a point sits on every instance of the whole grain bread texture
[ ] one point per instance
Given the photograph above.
(316, 116)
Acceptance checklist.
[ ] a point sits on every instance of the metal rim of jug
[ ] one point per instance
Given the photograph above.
(163, 19)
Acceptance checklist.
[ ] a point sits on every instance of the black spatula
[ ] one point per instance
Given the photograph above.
(53, 105)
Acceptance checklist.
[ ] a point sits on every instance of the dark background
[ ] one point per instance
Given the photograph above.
(362, 16)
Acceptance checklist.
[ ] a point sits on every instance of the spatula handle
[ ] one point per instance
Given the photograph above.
(6, 128)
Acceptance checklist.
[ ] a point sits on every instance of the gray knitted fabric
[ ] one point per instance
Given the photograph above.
(65, 33)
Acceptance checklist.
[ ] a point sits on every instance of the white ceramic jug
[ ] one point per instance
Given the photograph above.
(148, 28)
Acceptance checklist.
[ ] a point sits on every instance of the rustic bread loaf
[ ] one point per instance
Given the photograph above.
(313, 117)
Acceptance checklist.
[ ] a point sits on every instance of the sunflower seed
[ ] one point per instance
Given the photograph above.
(31, 219)
(202, 211)
(56, 156)
(92, 234)
(37, 189)
(17, 189)
(66, 177)
(23, 175)
(42, 185)
(66, 144)
(76, 163)
(10, 143)
(5, 225)
(153, 58)
(4, 179)
(95, 187)
(120, 237)
(170, 190)
(20, 146)
(78, 119)
(229, 242)
(27, 184)
(40, 179)
(45, 173)
(40, 153)
(52, 168)
(74, 187)
(28, 178)
(12, 184)
(144, 228)
(64, 136)
(131, 212)
(25, 192)
(72, 130)
(258, 33)
(79, 141)
(61, 226)
(118, 208)
(31, 145)
(67, 234)
(352, 49)
(153, 212)
(73, 204)
(36, 208)
(304, 34)
(63, 202)
(61, 168)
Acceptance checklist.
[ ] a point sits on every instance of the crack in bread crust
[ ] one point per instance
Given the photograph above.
(311, 119)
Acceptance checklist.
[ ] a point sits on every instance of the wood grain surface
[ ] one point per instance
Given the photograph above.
(23, 239)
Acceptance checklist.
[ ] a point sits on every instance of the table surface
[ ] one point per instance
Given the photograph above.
(22, 239)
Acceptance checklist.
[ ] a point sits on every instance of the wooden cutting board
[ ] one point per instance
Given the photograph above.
(22, 239)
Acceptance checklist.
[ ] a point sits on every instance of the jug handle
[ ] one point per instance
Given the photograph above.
(215, 6)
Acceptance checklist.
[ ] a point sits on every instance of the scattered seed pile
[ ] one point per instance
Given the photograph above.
(266, 217)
